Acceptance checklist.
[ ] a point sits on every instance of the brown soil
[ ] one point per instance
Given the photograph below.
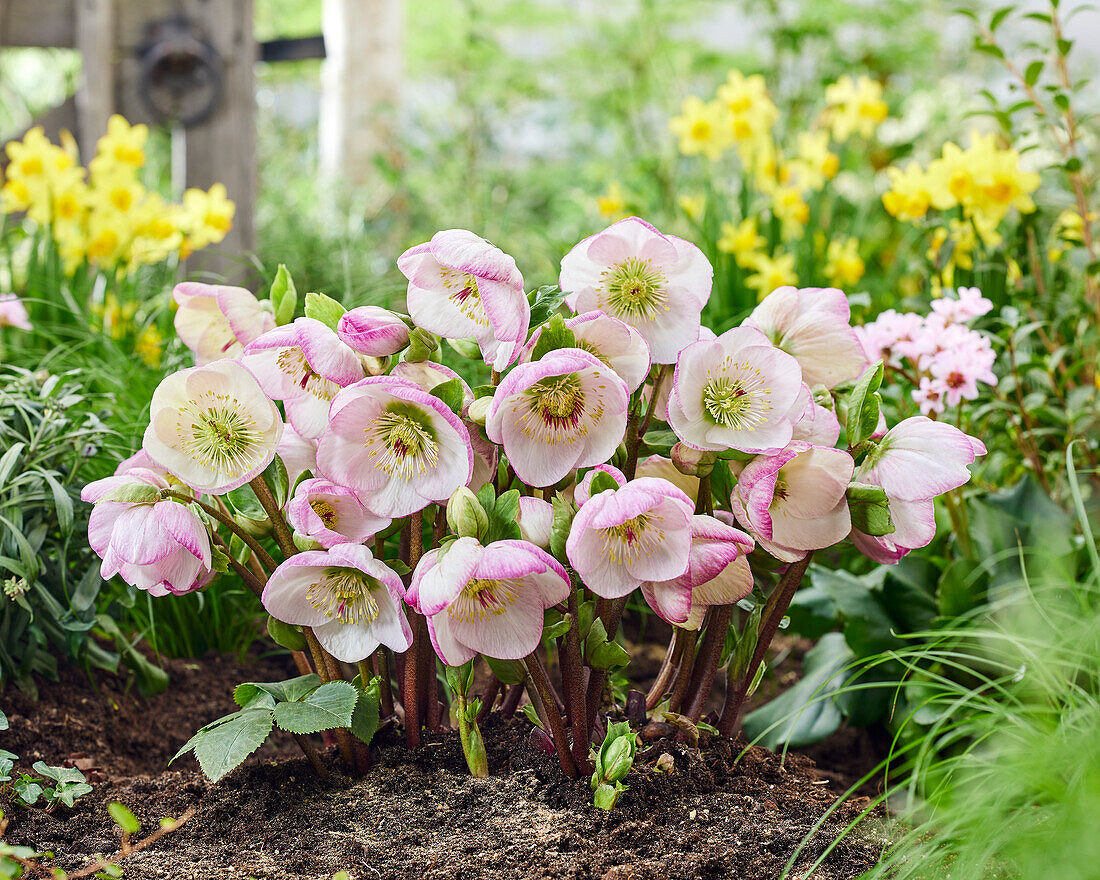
(416, 814)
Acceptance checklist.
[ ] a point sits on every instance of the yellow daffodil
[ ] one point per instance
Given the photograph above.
(855, 107)
(148, 346)
(702, 127)
(612, 204)
(791, 210)
(908, 197)
(814, 163)
(742, 240)
(751, 111)
(844, 266)
(123, 144)
(771, 272)
(693, 205)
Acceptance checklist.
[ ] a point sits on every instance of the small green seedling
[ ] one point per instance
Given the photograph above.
(613, 762)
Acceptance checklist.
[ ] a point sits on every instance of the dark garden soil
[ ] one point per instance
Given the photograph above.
(416, 814)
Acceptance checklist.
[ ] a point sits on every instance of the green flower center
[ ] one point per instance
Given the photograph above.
(740, 403)
(636, 289)
(345, 594)
(221, 437)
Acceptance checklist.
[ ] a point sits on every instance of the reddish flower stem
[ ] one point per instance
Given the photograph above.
(706, 663)
(540, 686)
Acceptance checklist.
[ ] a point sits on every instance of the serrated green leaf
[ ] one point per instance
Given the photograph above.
(544, 302)
(328, 707)
(223, 748)
(324, 308)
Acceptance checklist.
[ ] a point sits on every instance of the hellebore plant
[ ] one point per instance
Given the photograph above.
(392, 518)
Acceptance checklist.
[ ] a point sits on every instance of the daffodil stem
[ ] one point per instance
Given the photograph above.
(706, 663)
(541, 686)
(283, 536)
(250, 542)
(774, 611)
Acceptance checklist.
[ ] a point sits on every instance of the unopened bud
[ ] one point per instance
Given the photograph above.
(665, 763)
(465, 515)
(693, 462)
(478, 411)
(256, 528)
(619, 759)
(423, 346)
(305, 542)
(375, 366)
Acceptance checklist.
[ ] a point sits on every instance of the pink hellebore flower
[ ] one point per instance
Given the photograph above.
(216, 321)
(331, 514)
(13, 313)
(373, 331)
(567, 410)
(583, 489)
(212, 427)
(718, 573)
(350, 599)
(813, 325)
(536, 520)
(395, 445)
(917, 460)
(299, 454)
(461, 286)
(817, 424)
(303, 364)
(665, 469)
(617, 344)
(794, 501)
(624, 537)
(486, 600)
(737, 392)
(158, 546)
(656, 283)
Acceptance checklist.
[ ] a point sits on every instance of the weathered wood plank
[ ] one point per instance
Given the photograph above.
(49, 23)
(95, 38)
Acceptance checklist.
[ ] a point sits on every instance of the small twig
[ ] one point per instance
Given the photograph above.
(137, 847)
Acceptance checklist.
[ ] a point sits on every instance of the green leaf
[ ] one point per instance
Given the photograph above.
(58, 774)
(224, 747)
(328, 707)
(8, 461)
(864, 405)
(553, 336)
(502, 513)
(556, 624)
(285, 635)
(3, 722)
(452, 393)
(564, 511)
(219, 560)
(868, 629)
(999, 16)
(124, 819)
(602, 652)
(506, 671)
(601, 482)
(62, 503)
(807, 712)
(243, 500)
(284, 296)
(364, 720)
(278, 480)
(1033, 72)
(324, 309)
(266, 694)
(870, 509)
(544, 302)
(28, 790)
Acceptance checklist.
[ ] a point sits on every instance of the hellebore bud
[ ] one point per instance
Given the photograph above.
(423, 346)
(465, 515)
(693, 462)
(479, 410)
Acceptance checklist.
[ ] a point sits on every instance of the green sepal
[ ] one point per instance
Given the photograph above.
(324, 309)
(553, 336)
(870, 509)
(284, 296)
(452, 393)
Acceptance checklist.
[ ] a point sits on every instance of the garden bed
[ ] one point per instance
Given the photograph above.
(415, 814)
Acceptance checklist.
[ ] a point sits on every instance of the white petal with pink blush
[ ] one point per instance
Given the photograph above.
(395, 445)
(564, 411)
(352, 601)
(331, 514)
(656, 283)
(737, 392)
(212, 427)
(614, 342)
(217, 321)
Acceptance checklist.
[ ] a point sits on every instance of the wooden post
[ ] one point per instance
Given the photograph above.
(360, 85)
(223, 148)
(95, 101)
